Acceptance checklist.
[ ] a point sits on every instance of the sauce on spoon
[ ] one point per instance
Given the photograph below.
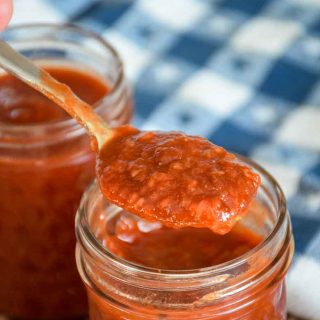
(170, 177)
(178, 180)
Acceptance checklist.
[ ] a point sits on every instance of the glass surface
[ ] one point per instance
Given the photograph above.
(44, 169)
(250, 287)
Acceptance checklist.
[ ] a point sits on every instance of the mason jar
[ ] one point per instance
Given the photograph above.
(44, 168)
(249, 287)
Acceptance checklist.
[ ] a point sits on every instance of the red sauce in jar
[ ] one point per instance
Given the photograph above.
(40, 190)
(175, 179)
(114, 296)
(156, 246)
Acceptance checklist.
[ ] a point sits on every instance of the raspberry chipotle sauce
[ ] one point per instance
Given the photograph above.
(172, 241)
(175, 179)
(188, 237)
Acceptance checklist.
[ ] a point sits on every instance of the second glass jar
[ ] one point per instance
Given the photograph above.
(44, 168)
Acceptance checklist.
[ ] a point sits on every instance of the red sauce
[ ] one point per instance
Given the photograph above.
(175, 179)
(169, 177)
(40, 190)
(156, 246)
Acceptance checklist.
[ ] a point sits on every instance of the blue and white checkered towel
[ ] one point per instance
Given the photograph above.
(244, 73)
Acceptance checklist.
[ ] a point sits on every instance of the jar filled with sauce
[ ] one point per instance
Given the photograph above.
(134, 269)
(46, 164)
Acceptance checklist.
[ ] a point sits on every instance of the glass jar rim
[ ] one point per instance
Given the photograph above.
(84, 234)
(69, 122)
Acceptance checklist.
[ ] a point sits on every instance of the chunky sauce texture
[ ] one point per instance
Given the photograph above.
(175, 179)
(40, 190)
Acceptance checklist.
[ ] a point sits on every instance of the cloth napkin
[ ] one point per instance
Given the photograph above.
(244, 73)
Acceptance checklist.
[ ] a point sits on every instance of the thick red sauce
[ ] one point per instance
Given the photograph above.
(175, 179)
(40, 190)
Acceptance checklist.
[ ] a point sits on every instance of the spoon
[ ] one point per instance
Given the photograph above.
(168, 177)
(36, 77)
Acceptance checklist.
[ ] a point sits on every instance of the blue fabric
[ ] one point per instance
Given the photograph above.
(283, 82)
(244, 73)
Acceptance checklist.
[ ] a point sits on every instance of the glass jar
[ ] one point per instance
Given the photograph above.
(250, 287)
(44, 169)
